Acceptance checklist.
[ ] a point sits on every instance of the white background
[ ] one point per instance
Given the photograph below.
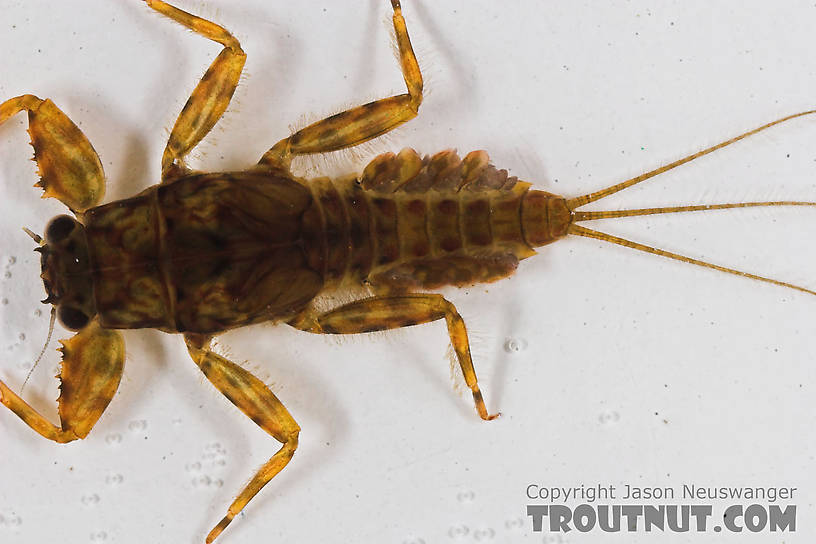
(630, 368)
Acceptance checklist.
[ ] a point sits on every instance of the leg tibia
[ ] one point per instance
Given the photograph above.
(32, 418)
(266, 473)
(395, 311)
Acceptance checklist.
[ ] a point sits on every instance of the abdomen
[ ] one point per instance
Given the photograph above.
(408, 222)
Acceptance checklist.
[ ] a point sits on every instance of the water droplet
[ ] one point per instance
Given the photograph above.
(514, 524)
(177, 421)
(25, 365)
(413, 540)
(609, 417)
(193, 467)
(4, 301)
(99, 536)
(221, 462)
(202, 481)
(515, 345)
(484, 534)
(12, 260)
(21, 336)
(10, 519)
(90, 500)
(465, 496)
(37, 312)
(7, 274)
(137, 425)
(114, 479)
(113, 439)
(458, 531)
(218, 483)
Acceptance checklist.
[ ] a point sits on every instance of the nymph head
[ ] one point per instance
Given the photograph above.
(66, 272)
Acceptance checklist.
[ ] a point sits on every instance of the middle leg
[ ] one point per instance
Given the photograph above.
(254, 399)
(210, 97)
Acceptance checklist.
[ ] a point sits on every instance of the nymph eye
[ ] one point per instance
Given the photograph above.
(72, 318)
(59, 228)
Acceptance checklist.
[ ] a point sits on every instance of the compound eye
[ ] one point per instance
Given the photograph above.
(59, 228)
(72, 318)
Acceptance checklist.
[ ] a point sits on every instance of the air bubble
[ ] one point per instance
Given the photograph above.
(458, 531)
(99, 536)
(12, 260)
(515, 345)
(90, 500)
(37, 312)
(114, 479)
(137, 425)
(484, 534)
(202, 481)
(413, 540)
(514, 524)
(466, 496)
(218, 483)
(193, 467)
(554, 539)
(609, 417)
(21, 336)
(4, 301)
(10, 519)
(7, 274)
(113, 439)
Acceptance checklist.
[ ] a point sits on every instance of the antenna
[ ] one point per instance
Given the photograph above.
(47, 341)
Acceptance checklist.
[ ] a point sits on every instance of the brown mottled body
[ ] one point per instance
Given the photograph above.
(205, 253)
(202, 253)
(210, 252)
(408, 223)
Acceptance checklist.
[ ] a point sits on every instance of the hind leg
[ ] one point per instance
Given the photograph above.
(386, 312)
(360, 124)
